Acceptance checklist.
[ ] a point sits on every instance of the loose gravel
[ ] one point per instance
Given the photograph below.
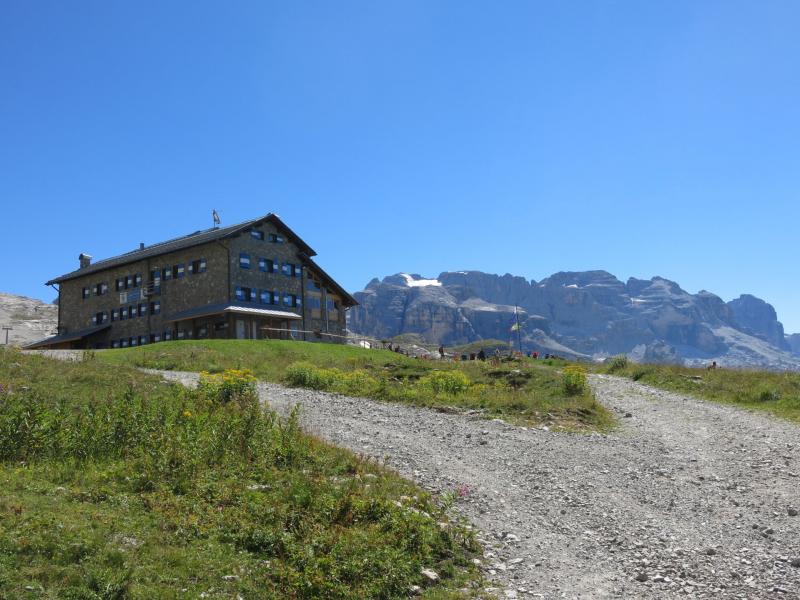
(685, 499)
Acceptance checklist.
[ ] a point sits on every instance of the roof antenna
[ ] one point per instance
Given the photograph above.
(215, 216)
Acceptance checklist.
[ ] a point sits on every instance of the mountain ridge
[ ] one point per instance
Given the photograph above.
(586, 314)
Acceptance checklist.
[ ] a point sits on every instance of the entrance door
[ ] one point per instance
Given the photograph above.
(241, 329)
(253, 330)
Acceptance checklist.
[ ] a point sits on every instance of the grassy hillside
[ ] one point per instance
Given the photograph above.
(116, 485)
(777, 393)
(520, 390)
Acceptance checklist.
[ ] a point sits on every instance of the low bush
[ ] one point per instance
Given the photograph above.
(766, 394)
(303, 374)
(232, 384)
(446, 382)
(616, 363)
(574, 380)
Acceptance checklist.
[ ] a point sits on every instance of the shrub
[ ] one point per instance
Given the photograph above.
(355, 383)
(766, 394)
(574, 380)
(446, 382)
(303, 374)
(640, 372)
(233, 384)
(617, 363)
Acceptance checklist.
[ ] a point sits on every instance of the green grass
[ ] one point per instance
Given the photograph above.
(521, 390)
(116, 485)
(777, 393)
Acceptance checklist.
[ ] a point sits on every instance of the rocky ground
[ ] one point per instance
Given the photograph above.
(30, 320)
(685, 499)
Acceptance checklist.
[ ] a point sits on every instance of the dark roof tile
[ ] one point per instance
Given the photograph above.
(181, 243)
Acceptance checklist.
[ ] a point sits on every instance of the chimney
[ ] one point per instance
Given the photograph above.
(85, 260)
(141, 245)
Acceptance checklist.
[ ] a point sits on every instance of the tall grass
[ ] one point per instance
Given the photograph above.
(118, 486)
(522, 390)
(777, 393)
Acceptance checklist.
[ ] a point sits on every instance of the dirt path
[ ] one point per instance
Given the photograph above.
(686, 499)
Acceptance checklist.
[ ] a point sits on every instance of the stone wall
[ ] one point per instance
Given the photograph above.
(176, 294)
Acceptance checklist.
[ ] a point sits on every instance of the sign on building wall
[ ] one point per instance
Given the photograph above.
(129, 296)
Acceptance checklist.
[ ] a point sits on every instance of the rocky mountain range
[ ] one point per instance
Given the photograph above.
(30, 320)
(588, 315)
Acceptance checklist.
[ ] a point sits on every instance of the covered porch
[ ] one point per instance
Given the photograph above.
(232, 321)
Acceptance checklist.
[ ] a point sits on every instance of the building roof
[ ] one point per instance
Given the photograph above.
(347, 299)
(68, 337)
(216, 309)
(187, 241)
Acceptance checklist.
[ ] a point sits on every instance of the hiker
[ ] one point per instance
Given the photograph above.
(441, 352)
(482, 355)
(712, 366)
(535, 355)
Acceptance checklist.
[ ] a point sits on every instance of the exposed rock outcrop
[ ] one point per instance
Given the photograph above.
(756, 317)
(30, 320)
(589, 313)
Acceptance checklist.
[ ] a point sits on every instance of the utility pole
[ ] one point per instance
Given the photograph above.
(7, 328)
(519, 335)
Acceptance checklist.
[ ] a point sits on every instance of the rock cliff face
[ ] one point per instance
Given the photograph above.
(758, 318)
(582, 314)
(794, 343)
(30, 320)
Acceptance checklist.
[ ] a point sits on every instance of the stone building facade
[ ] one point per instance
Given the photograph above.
(252, 280)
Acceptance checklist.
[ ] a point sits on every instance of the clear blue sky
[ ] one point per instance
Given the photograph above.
(644, 138)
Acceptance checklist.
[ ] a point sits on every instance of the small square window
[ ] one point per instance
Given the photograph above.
(264, 297)
(167, 273)
(179, 270)
(142, 340)
(114, 314)
(85, 293)
(275, 238)
(134, 341)
(124, 343)
(137, 280)
(202, 268)
(239, 293)
(262, 264)
(256, 235)
(298, 271)
(155, 337)
(244, 260)
(132, 311)
(115, 343)
(142, 309)
(194, 267)
(155, 307)
(287, 269)
(253, 295)
(167, 336)
(123, 313)
(119, 284)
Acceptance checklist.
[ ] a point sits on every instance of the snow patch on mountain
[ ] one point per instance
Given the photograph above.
(411, 282)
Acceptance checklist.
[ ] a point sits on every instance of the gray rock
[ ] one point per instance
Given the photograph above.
(577, 315)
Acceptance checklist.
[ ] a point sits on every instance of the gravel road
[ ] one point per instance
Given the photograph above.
(686, 499)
